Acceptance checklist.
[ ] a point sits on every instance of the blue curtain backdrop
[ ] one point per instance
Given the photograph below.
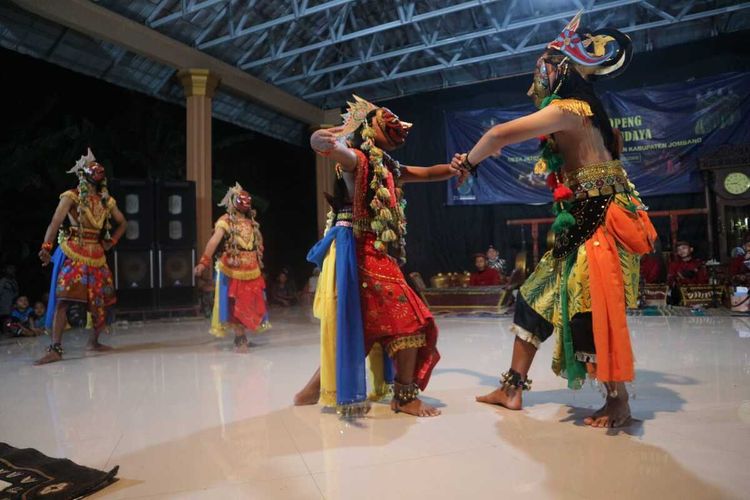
(665, 129)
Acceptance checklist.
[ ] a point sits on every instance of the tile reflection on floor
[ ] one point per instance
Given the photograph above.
(184, 417)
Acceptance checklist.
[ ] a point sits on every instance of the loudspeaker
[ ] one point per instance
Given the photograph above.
(176, 267)
(175, 214)
(176, 278)
(134, 278)
(135, 199)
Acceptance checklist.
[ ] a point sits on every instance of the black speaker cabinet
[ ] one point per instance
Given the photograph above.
(135, 198)
(176, 278)
(175, 214)
(134, 278)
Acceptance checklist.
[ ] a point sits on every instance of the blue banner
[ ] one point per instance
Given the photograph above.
(665, 128)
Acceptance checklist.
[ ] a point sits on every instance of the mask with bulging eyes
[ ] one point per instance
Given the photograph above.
(394, 129)
(243, 202)
(94, 173)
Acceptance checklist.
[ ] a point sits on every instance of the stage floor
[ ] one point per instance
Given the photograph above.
(184, 417)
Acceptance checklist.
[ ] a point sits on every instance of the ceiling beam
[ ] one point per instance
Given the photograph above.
(434, 43)
(103, 24)
(507, 53)
(300, 13)
(370, 31)
(185, 10)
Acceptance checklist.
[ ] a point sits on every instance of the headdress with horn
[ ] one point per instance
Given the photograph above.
(360, 111)
(88, 168)
(236, 199)
(89, 171)
(607, 51)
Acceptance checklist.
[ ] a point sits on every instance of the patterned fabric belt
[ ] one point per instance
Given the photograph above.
(600, 179)
(86, 235)
(344, 218)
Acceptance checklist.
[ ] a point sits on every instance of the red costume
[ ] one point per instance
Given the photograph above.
(486, 277)
(687, 272)
(393, 315)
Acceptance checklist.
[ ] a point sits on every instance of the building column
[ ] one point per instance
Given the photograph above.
(325, 175)
(200, 85)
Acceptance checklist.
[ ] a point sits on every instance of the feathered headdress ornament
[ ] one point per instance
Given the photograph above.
(356, 114)
(83, 162)
(232, 192)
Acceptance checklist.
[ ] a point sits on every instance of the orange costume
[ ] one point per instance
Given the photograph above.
(581, 288)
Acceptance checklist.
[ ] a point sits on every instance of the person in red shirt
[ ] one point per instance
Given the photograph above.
(484, 275)
(685, 269)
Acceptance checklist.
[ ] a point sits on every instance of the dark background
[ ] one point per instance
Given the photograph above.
(51, 115)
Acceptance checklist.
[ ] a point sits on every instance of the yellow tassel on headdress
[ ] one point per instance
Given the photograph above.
(379, 246)
(377, 226)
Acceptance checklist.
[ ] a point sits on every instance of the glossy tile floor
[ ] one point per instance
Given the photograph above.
(184, 417)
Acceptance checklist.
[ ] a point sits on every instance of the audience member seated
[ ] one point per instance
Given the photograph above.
(8, 290)
(484, 275)
(40, 311)
(308, 293)
(283, 292)
(684, 271)
(21, 320)
(739, 266)
(495, 262)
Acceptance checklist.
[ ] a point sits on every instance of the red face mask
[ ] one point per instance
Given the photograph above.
(392, 127)
(95, 173)
(243, 202)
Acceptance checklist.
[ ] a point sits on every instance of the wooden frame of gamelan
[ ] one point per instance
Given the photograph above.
(726, 175)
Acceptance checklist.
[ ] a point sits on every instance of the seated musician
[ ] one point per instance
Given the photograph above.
(484, 275)
(685, 270)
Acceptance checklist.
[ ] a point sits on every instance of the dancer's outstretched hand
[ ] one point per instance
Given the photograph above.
(458, 161)
(44, 256)
(199, 269)
(324, 140)
(461, 173)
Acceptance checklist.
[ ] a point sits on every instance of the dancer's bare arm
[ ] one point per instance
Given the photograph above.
(211, 246)
(122, 225)
(435, 173)
(325, 142)
(57, 219)
(544, 122)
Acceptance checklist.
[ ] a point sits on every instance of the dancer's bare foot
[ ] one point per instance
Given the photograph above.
(241, 344)
(310, 394)
(615, 413)
(97, 347)
(50, 357)
(416, 407)
(507, 397)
